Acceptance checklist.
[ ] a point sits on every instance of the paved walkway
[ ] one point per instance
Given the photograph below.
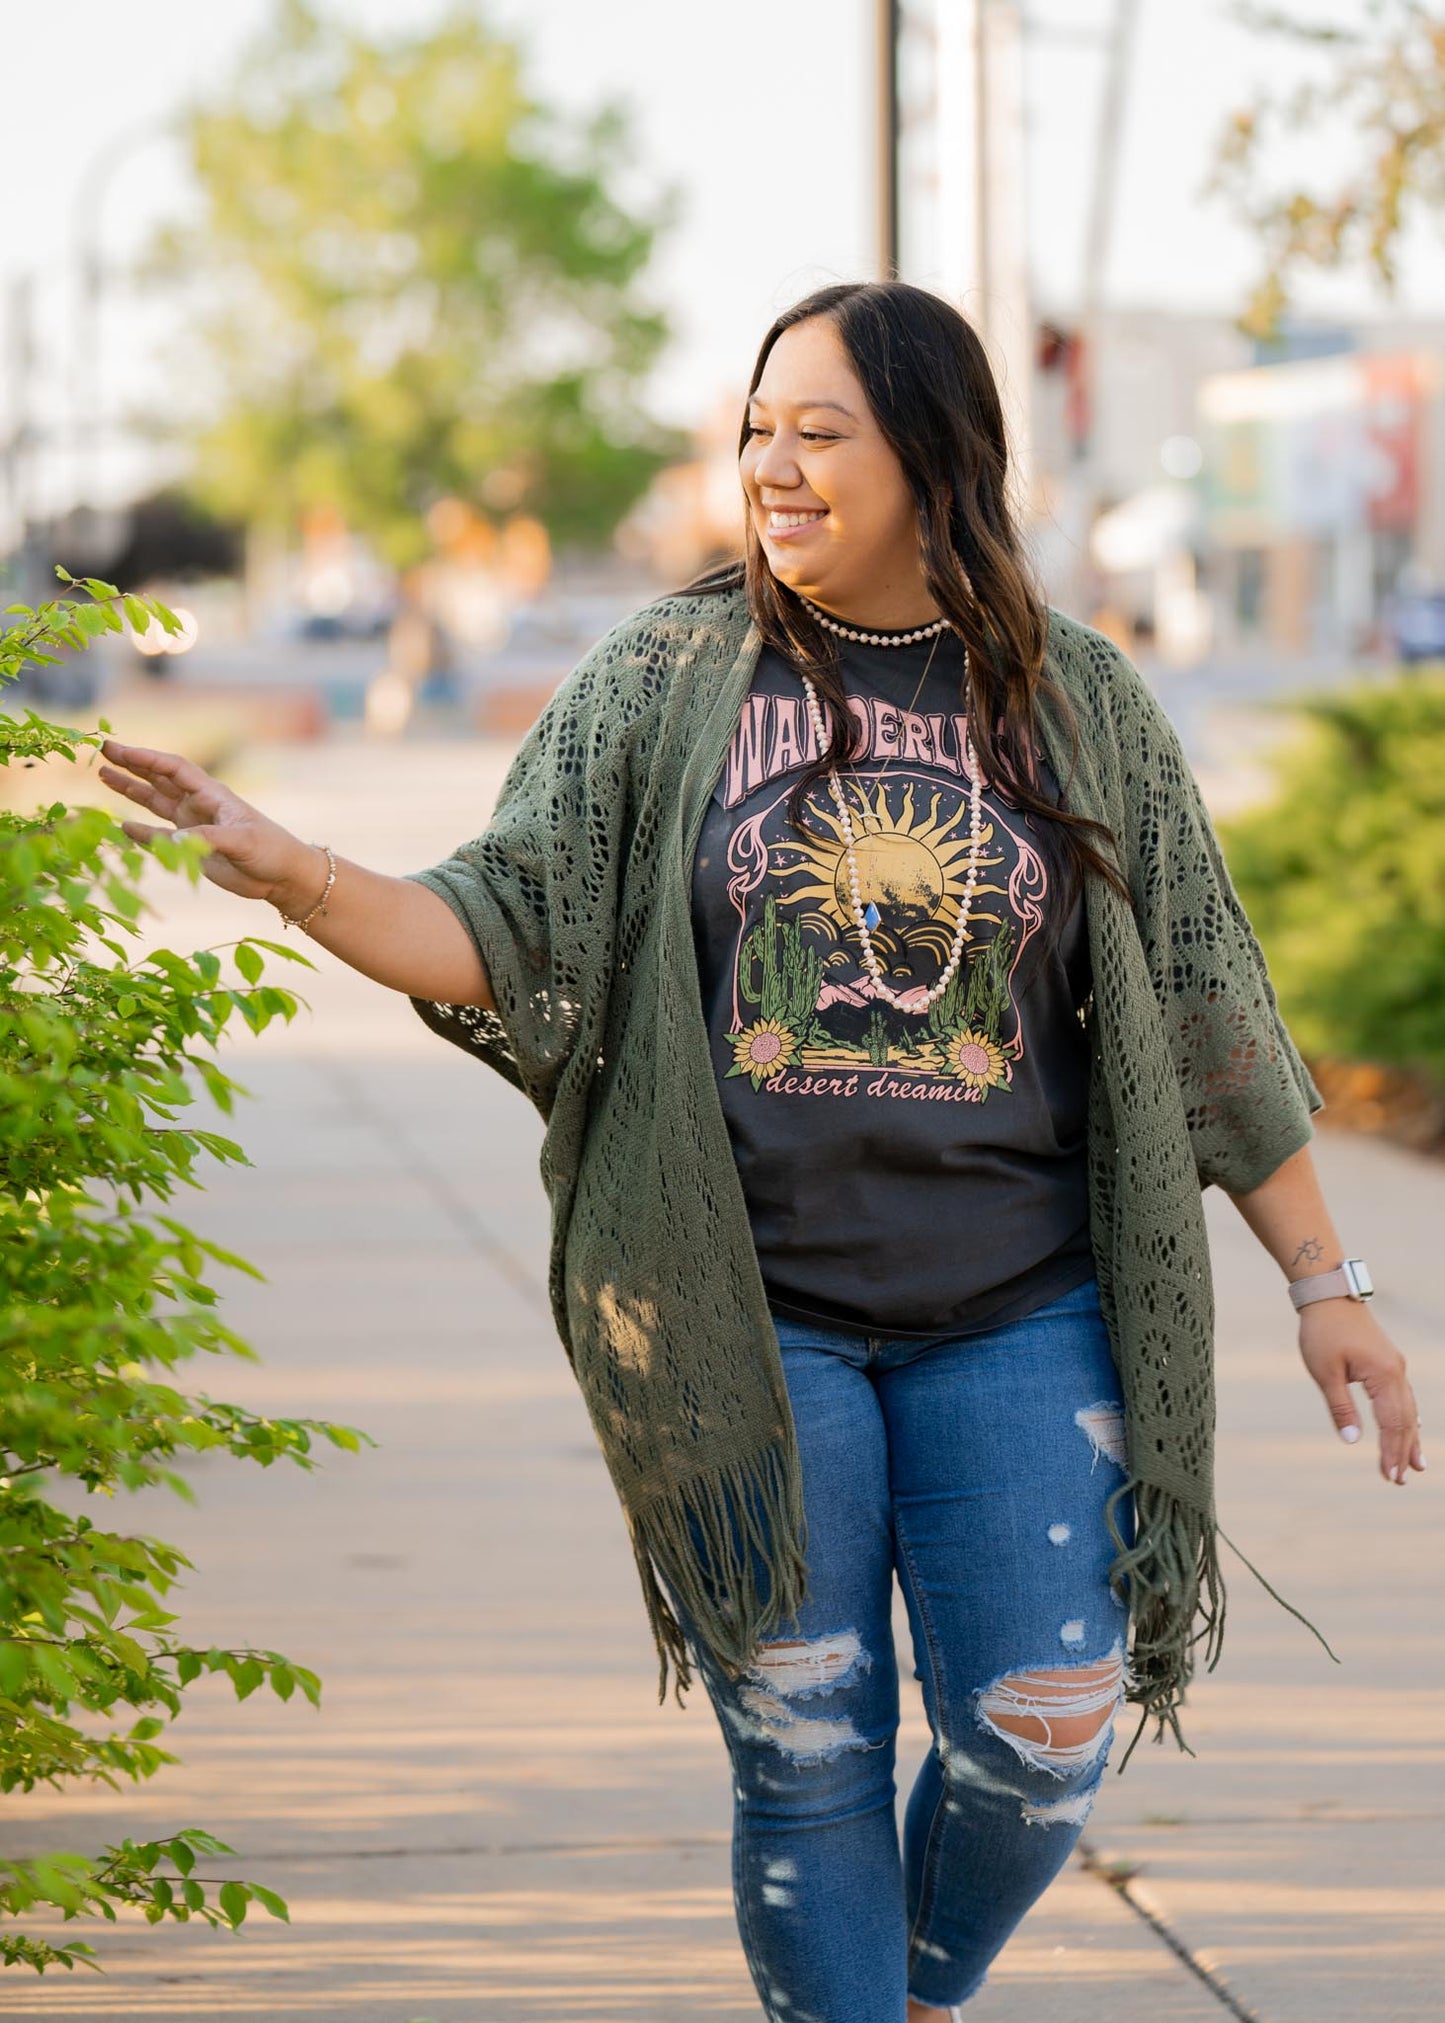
(490, 1820)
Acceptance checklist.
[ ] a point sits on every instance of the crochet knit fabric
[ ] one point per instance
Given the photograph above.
(578, 897)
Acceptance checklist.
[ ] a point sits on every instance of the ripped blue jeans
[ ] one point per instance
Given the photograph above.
(976, 1466)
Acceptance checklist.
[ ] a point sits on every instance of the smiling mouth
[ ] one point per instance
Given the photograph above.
(791, 523)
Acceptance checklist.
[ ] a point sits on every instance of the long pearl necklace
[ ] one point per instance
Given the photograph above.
(861, 918)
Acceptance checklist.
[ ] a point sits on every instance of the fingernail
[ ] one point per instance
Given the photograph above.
(1350, 1433)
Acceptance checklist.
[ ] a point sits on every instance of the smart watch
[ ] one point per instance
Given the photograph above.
(1350, 1280)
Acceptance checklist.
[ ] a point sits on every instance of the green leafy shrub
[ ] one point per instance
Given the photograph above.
(102, 1296)
(1343, 875)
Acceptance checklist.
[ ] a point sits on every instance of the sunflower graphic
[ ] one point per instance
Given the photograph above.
(975, 1059)
(763, 1050)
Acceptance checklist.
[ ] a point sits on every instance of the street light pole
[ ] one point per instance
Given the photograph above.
(87, 396)
(16, 451)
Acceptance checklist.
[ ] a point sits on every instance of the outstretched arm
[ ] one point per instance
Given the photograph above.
(1340, 1340)
(390, 929)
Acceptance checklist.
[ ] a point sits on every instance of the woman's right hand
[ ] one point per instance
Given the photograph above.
(249, 854)
(394, 930)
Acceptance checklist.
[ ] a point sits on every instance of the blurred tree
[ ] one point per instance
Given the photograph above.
(413, 283)
(1382, 78)
(1343, 875)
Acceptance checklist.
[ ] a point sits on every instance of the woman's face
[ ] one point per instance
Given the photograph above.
(814, 449)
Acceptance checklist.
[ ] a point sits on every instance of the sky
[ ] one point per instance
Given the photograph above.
(762, 112)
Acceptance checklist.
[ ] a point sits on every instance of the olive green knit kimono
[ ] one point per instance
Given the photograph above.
(579, 898)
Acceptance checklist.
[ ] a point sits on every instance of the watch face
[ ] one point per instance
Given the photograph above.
(1357, 1272)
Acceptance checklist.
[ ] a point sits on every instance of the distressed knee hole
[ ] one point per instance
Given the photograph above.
(1056, 1720)
(1070, 1811)
(802, 1738)
(1104, 1425)
(797, 1666)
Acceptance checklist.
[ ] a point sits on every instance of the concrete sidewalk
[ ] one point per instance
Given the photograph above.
(490, 1817)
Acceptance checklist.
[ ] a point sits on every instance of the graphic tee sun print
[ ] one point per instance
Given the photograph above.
(907, 1167)
(803, 1005)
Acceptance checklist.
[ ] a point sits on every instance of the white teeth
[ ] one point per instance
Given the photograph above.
(794, 519)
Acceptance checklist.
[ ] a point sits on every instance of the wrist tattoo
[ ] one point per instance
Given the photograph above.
(1309, 1252)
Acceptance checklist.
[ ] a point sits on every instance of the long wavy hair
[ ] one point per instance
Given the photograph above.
(932, 392)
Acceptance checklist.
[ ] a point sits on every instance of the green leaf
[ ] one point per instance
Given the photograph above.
(246, 1676)
(280, 948)
(248, 961)
(269, 1901)
(309, 1683)
(14, 1667)
(234, 1899)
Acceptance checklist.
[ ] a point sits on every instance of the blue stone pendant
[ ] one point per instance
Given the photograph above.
(871, 916)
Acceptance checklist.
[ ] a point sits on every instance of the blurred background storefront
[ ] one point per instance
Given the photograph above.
(1323, 498)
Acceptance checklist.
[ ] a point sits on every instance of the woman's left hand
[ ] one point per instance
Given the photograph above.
(1342, 1344)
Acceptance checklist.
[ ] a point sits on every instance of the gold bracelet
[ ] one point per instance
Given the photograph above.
(320, 906)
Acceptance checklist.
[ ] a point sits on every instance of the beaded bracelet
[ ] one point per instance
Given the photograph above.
(320, 906)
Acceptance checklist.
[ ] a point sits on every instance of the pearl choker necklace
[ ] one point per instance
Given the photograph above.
(873, 638)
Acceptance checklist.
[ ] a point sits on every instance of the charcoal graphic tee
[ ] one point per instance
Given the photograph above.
(914, 1170)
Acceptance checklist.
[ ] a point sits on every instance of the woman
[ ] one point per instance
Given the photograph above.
(854, 921)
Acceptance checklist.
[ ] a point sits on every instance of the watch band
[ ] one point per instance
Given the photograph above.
(1350, 1280)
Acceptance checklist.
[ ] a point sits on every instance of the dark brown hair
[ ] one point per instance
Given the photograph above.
(932, 392)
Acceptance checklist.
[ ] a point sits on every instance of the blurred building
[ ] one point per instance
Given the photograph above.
(1219, 498)
(1116, 454)
(1323, 489)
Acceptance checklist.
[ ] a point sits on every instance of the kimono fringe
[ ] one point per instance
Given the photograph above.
(726, 1550)
(1168, 1576)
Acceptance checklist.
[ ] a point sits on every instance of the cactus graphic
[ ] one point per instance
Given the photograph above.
(877, 1039)
(978, 998)
(944, 1013)
(987, 1001)
(779, 973)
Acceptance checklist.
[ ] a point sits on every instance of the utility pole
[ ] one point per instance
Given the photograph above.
(1008, 324)
(887, 25)
(1082, 487)
(982, 251)
(1103, 201)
